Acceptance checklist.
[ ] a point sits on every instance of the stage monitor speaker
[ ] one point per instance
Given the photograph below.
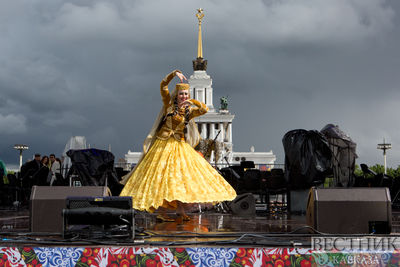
(350, 210)
(99, 217)
(243, 205)
(47, 203)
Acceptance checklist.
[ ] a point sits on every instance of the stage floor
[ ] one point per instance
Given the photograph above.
(206, 227)
(208, 239)
(201, 225)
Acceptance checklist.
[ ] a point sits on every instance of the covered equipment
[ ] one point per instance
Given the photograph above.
(343, 154)
(94, 167)
(307, 158)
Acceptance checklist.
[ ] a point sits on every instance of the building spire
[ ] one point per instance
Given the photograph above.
(199, 16)
(199, 63)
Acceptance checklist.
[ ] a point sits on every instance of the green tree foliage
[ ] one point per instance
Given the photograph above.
(358, 171)
(378, 168)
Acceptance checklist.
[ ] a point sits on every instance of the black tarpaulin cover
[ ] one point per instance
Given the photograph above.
(307, 158)
(343, 152)
(93, 167)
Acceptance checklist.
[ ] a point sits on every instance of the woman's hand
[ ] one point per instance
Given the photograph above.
(186, 103)
(181, 76)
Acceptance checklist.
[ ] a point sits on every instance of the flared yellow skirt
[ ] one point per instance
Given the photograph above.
(173, 171)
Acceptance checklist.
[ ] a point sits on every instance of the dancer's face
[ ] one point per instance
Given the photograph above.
(183, 95)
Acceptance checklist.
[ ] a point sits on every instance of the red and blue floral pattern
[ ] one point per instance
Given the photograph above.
(189, 257)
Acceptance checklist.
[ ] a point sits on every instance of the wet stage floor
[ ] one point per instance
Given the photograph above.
(205, 228)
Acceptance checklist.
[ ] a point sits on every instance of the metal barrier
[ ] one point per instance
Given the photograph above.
(266, 167)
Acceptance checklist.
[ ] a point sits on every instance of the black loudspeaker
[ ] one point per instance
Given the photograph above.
(350, 210)
(47, 203)
(99, 217)
(243, 205)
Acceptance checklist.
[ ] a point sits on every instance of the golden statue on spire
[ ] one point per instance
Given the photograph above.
(199, 16)
(199, 63)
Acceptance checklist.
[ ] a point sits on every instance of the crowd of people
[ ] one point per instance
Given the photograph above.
(42, 170)
(16, 187)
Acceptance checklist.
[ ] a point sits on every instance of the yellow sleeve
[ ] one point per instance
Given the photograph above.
(199, 110)
(164, 87)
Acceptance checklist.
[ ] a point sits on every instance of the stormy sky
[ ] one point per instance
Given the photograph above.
(93, 68)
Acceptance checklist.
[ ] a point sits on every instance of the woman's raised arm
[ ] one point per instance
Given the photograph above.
(164, 85)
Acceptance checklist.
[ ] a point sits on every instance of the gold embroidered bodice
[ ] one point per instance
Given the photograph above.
(174, 125)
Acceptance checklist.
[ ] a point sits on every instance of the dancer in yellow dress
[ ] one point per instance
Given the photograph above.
(170, 172)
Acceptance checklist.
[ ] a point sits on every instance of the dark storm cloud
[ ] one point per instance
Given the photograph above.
(93, 68)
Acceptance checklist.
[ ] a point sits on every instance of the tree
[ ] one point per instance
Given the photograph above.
(378, 168)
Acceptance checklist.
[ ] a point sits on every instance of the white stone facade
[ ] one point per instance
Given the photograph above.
(201, 88)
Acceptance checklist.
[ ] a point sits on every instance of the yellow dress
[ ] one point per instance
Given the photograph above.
(172, 170)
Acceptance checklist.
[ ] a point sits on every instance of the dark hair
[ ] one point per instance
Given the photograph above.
(187, 114)
(52, 155)
(37, 155)
(44, 157)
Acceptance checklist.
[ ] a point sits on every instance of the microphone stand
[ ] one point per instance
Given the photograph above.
(213, 143)
(227, 162)
(215, 151)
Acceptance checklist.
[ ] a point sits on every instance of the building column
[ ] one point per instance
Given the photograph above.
(222, 133)
(229, 132)
(204, 130)
(212, 131)
(209, 97)
(200, 94)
